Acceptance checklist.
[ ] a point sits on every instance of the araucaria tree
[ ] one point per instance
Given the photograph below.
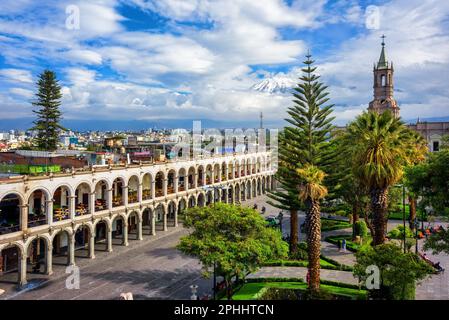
(234, 239)
(305, 143)
(311, 191)
(48, 119)
(380, 145)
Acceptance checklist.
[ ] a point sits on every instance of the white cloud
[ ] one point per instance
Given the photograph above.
(16, 75)
(22, 92)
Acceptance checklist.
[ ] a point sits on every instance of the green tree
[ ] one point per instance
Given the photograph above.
(379, 153)
(399, 272)
(305, 141)
(311, 191)
(49, 116)
(343, 185)
(234, 238)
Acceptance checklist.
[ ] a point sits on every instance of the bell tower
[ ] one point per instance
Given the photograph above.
(383, 86)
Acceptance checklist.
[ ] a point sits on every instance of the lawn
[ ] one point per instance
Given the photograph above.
(350, 245)
(333, 224)
(300, 263)
(252, 290)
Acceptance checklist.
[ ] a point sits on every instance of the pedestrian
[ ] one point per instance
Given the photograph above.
(263, 209)
(344, 245)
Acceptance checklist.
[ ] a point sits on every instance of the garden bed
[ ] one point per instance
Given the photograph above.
(293, 291)
(350, 245)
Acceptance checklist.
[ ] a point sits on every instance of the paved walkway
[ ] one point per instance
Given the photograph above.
(301, 272)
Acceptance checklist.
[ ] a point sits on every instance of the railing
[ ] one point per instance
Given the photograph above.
(9, 229)
(38, 221)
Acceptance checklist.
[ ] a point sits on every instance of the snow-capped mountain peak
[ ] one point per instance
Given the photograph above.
(275, 84)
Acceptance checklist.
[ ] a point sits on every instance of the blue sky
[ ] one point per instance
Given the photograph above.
(198, 59)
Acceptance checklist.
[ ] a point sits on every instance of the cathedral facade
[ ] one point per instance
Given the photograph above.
(384, 100)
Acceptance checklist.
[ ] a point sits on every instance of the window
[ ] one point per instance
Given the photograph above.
(383, 79)
(436, 146)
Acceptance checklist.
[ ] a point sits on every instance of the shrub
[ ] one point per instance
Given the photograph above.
(361, 229)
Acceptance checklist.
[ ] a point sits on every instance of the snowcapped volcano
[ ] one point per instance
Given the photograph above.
(275, 84)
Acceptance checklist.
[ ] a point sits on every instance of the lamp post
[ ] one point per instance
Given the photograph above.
(215, 280)
(403, 213)
(416, 234)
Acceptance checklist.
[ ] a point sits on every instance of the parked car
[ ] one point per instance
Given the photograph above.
(272, 221)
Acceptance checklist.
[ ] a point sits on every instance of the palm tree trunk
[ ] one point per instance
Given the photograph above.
(293, 231)
(355, 218)
(379, 207)
(314, 245)
(412, 206)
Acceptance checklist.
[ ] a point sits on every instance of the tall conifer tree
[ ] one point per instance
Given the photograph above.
(304, 143)
(49, 116)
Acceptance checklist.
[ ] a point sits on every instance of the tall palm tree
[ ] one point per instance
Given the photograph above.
(380, 145)
(311, 191)
(416, 153)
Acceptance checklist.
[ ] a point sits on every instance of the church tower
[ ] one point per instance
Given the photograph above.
(383, 86)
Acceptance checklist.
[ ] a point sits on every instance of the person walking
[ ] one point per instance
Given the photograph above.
(344, 245)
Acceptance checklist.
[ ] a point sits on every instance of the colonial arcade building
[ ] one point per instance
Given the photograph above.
(45, 219)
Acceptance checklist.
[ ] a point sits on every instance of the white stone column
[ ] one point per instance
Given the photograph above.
(49, 211)
(165, 221)
(139, 228)
(165, 185)
(125, 195)
(140, 193)
(24, 217)
(72, 207)
(153, 189)
(49, 261)
(153, 223)
(109, 231)
(71, 250)
(91, 203)
(109, 200)
(92, 246)
(176, 182)
(195, 180)
(175, 223)
(212, 175)
(125, 234)
(22, 269)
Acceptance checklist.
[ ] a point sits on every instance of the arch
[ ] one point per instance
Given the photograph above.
(62, 206)
(248, 189)
(216, 173)
(182, 205)
(10, 213)
(191, 178)
(258, 164)
(83, 200)
(259, 186)
(38, 207)
(224, 167)
(209, 197)
(147, 214)
(134, 219)
(253, 188)
(201, 201)
(101, 197)
(242, 168)
(83, 236)
(209, 174)
(191, 201)
(133, 189)
(171, 179)
(200, 176)
(242, 191)
(182, 179)
(237, 193)
(11, 255)
(118, 192)
(172, 212)
(230, 169)
(118, 225)
(102, 227)
(61, 246)
(230, 194)
(147, 181)
(159, 184)
(159, 214)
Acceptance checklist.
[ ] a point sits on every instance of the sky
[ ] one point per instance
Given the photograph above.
(143, 62)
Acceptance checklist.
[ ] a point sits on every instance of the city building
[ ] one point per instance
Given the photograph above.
(384, 100)
(45, 219)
